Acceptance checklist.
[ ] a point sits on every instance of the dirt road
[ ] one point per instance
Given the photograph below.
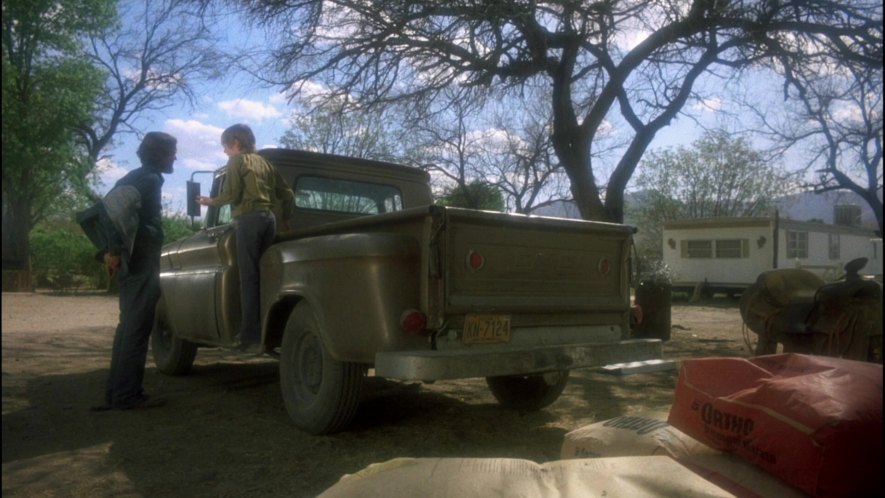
(225, 432)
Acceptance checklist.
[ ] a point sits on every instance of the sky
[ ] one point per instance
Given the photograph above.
(198, 131)
(199, 137)
(235, 98)
(238, 99)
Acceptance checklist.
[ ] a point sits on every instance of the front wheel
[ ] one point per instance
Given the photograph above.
(528, 392)
(173, 356)
(321, 393)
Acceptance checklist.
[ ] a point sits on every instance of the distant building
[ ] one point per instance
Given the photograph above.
(728, 254)
(837, 207)
(820, 232)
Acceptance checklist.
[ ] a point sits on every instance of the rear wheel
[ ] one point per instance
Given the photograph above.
(765, 345)
(528, 392)
(874, 352)
(321, 394)
(173, 356)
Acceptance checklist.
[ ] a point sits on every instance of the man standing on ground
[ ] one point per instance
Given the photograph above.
(133, 254)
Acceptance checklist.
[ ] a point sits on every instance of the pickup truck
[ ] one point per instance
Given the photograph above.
(372, 276)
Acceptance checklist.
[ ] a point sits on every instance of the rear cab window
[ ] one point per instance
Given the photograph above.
(336, 195)
(332, 196)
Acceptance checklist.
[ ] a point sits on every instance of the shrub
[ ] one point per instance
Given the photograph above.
(63, 258)
(176, 227)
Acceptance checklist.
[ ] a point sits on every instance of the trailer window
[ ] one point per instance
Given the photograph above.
(697, 249)
(720, 248)
(797, 244)
(835, 246)
(345, 196)
(732, 248)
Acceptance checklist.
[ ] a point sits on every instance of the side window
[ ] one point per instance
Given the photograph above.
(222, 215)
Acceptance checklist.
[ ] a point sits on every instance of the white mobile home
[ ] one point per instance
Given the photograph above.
(727, 254)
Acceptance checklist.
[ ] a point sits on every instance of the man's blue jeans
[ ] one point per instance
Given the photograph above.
(139, 279)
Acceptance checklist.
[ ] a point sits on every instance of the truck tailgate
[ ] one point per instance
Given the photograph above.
(509, 263)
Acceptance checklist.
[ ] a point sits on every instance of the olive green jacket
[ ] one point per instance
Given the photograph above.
(252, 184)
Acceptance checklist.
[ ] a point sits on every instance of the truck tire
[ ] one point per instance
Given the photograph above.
(173, 356)
(528, 392)
(321, 394)
(766, 344)
(874, 351)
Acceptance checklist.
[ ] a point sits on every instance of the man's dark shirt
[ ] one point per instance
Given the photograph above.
(148, 181)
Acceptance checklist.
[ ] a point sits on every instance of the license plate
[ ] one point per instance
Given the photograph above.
(486, 329)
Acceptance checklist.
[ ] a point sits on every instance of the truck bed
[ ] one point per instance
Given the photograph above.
(559, 287)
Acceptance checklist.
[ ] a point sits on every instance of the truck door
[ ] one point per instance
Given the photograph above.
(206, 278)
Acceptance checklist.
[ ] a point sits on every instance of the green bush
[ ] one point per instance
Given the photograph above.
(176, 227)
(654, 270)
(63, 258)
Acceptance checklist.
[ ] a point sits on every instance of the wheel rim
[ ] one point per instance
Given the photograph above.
(309, 365)
(551, 378)
(164, 335)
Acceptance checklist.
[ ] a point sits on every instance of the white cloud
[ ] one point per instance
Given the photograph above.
(199, 144)
(495, 138)
(630, 38)
(279, 98)
(708, 105)
(308, 91)
(846, 114)
(109, 172)
(249, 109)
(607, 129)
(194, 128)
(199, 164)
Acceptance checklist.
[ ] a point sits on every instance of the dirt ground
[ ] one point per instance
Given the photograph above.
(225, 431)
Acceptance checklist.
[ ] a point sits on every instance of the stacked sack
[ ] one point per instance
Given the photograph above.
(813, 421)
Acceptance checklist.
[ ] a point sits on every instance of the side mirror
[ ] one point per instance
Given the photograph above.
(193, 191)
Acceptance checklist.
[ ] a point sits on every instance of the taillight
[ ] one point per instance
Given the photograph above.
(637, 314)
(413, 322)
(475, 260)
(604, 267)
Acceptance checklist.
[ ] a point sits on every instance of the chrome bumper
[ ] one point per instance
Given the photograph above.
(460, 364)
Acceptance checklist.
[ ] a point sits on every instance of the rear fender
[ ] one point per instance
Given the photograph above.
(357, 284)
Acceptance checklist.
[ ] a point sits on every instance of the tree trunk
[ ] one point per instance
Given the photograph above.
(16, 244)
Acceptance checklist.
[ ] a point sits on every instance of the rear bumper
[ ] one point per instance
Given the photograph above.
(440, 365)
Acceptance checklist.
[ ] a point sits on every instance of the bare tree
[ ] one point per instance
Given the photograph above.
(520, 157)
(450, 148)
(835, 122)
(151, 60)
(330, 128)
(380, 51)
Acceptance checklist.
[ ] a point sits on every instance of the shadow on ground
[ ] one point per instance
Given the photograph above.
(225, 432)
